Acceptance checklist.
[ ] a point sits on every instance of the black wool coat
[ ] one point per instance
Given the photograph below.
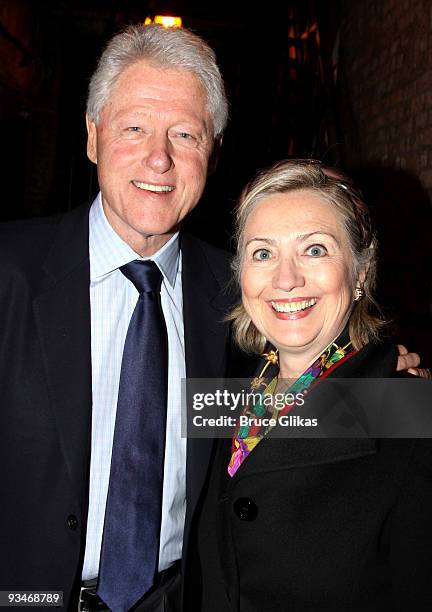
(320, 524)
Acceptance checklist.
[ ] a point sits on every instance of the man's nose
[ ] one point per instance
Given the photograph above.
(158, 155)
(288, 275)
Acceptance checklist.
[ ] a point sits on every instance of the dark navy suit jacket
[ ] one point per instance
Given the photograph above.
(46, 395)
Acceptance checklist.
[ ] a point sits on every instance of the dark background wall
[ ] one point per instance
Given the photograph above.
(385, 109)
(387, 46)
(347, 82)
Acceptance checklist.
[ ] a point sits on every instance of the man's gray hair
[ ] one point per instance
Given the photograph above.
(167, 48)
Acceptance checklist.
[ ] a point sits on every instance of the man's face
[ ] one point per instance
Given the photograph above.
(152, 146)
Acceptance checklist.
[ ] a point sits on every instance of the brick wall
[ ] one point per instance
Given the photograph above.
(387, 61)
(385, 115)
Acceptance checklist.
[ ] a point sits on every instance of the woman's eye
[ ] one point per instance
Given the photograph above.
(261, 254)
(317, 250)
(134, 128)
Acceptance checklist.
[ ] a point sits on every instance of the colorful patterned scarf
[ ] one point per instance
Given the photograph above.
(248, 436)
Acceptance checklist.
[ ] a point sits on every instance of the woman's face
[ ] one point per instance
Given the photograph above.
(295, 279)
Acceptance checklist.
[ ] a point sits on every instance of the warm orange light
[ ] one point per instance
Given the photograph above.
(165, 20)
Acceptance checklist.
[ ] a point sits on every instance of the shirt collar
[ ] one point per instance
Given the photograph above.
(108, 251)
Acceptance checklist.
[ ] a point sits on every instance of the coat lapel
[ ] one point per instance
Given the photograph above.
(279, 451)
(62, 313)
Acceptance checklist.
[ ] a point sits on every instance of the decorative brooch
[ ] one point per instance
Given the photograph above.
(272, 357)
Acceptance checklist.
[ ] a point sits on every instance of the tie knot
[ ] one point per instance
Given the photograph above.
(145, 275)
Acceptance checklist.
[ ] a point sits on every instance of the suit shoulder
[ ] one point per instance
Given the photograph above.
(23, 243)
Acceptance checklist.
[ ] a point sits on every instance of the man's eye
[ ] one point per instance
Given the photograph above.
(187, 138)
(134, 128)
(183, 138)
(261, 254)
(317, 250)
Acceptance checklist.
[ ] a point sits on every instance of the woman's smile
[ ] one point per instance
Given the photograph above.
(293, 309)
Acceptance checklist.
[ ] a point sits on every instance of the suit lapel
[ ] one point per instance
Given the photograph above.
(62, 313)
(205, 304)
(207, 337)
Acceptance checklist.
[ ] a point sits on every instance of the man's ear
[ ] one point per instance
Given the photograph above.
(91, 140)
(214, 156)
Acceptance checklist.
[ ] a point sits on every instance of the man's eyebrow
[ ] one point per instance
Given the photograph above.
(129, 112)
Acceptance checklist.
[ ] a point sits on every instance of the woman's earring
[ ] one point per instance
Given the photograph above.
(358, 294)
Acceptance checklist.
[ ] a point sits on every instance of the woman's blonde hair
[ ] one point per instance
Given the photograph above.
(335, 187)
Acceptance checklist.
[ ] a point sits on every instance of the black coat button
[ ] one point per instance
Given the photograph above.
(245, 509)
(72, 522)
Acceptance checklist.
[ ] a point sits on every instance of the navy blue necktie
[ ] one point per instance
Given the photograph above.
(130, 545)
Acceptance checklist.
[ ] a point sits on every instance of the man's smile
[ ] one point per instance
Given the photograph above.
(153, 188)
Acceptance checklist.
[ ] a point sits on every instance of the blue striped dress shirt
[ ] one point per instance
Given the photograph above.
(113, 298)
